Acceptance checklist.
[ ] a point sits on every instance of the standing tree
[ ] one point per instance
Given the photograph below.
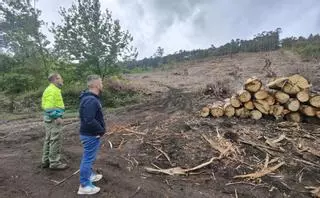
(159, 52)
(92, 38)
(23, 54)
(20, 33)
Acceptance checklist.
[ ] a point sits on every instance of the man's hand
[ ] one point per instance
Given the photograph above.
(58, 121)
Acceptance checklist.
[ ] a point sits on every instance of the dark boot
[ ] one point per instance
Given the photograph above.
(59, 167)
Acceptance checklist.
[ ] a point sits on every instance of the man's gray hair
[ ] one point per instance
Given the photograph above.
(91, 79)
(53, 76)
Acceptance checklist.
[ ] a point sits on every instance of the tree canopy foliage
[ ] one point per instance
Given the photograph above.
(92, 38)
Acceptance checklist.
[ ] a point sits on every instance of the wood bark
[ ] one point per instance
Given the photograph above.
(253, 85)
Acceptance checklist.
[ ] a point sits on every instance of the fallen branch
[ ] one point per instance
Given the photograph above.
(275, 142)
(65, 179)
(165, 154)
(288, 125)
(213, 144)
(181, 171)
(221, 144)
(235, 183)
(315, 191)
(136, 192)
(261, 146)
(261, 173)
(135, 132)
(307, 162)
(110, 143)
(117, 128)
(121, 143)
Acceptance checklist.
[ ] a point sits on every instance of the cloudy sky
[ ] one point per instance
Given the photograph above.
(193, 24)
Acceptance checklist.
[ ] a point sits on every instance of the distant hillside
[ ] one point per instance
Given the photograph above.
(309, 48)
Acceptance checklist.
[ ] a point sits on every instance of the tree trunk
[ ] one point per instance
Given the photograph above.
(281, 97)
(276, 110)
(229, 110)
(308, 110)
(262, 106)
(290, 84)
(315, 101)
(242, 113)
(244, 96)
(271, 100)
(299, 81)
(11, 109)
(217, 110)
(249, 105)
(256, 115)
(293, 117)
(261, 94)
(318, 114)
(293, 105)
(235, 102)
(205, 112)
(253, 85)
(291, 88)
(278, 83)
(303, 96)
(285, 112)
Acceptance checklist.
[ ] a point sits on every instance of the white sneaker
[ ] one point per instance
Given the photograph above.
(88, 190)
(95, 177)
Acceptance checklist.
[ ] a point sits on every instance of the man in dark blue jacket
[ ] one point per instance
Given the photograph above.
(92, 128)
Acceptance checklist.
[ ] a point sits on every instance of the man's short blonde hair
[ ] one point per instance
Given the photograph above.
(91, 79)
(53, 76)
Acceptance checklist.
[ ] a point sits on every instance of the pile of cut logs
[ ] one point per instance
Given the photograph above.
(287, 97)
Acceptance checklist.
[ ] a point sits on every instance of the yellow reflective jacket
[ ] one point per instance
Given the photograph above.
(52, 102)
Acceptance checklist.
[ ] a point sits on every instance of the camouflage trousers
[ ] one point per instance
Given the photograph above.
(52, 144)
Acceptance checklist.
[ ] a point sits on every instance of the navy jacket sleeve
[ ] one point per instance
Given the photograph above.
(89, 116)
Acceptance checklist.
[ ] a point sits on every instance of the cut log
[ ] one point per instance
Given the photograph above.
(293, 105)
(285, 112)
(256, 115)
(242, 112)
(229, 110)
(253, 85)
(308, 110)
(299, 81)
(277, 83)
(205, 112)
(303, 96)
(235, 102)
(318, 114)
(244, 96)
(276, 110)
(217, 110)
(281, 97)
(262, 106)
(291, 85)
(315, 101)
(249, 105)
(291, 88)
(239, 111)
(293, 117)
(261, 94)
(271, 100)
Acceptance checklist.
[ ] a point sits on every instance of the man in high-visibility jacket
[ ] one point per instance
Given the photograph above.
(53, 106)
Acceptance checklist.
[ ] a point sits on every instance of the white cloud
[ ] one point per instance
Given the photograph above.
(186, 24)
